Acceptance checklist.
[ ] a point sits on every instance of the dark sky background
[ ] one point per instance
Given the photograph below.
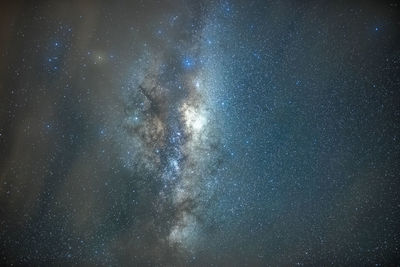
(204, 133)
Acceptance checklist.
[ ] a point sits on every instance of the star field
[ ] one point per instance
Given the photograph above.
(199, 133)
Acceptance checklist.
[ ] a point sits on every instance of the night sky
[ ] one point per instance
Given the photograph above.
(200, 133)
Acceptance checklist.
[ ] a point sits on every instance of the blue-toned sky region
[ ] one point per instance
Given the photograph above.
(200, 133)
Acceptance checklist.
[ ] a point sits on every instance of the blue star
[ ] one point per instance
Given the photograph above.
(188, 62)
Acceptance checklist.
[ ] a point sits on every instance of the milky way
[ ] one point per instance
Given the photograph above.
(199, 133)
(171, 128)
